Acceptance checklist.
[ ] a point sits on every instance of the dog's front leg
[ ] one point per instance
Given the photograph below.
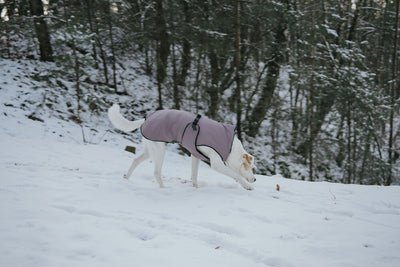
(195, 171)
(218, 165)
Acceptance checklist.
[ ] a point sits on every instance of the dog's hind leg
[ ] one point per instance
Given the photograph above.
(145, 155)
(157, 153)
(195, 170)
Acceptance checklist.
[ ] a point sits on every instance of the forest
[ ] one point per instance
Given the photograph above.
(311, 85)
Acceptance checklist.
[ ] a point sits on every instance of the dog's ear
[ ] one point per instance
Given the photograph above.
(247, 159)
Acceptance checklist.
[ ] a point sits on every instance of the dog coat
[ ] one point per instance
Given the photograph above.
(190, 131)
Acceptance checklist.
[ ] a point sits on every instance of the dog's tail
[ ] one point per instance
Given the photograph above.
(120, 122)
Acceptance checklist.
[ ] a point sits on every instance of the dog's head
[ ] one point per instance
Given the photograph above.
(247, 167)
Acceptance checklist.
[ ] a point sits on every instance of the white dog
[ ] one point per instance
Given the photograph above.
(238, 163)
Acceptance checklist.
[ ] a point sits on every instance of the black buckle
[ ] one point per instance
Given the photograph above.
(195, 122)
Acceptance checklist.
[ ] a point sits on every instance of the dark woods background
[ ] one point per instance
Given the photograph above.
(313, 86)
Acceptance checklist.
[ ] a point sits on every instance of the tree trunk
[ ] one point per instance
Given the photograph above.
(176, 93)
(107, 8)
(186, 46)
(89, 10)
(393, 96)
(42, 31)
(349, 164)
(238, 93)
(311, 102)
(213, 90)
(99, 44)
(162, 49)
(260, 110)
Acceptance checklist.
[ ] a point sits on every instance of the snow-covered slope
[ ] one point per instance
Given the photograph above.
(63, 203)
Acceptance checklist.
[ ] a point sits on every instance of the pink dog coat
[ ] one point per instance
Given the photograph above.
(190, 131)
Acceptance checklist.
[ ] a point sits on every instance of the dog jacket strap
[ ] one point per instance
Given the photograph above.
(189, 140)
(195, 122)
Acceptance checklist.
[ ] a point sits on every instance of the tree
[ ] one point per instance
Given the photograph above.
(162, 51)
(392, 94)
(42, 31)
(273, 65)
(238, 90)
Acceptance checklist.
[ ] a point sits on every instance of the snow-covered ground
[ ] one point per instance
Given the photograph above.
(64, 203)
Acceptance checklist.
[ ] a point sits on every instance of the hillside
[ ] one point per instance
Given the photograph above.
(64, 203)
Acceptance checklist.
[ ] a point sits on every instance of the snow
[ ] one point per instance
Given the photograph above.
(65, 203)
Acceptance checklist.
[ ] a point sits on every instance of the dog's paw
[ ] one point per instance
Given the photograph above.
(248, 187)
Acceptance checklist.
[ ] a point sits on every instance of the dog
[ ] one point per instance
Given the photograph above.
(217, 144)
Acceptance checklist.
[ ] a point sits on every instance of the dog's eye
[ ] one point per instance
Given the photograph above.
(254, 170)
